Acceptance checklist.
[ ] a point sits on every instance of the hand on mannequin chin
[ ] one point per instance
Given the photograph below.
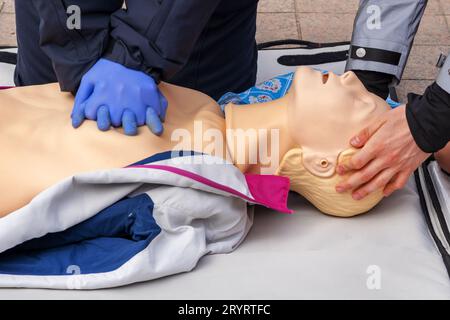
(387, 158)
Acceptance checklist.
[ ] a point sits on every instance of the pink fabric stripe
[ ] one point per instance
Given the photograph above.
(269, 188)
(4, 88)
(279, 206)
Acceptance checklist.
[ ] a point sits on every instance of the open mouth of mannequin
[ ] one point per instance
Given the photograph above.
(325, 78)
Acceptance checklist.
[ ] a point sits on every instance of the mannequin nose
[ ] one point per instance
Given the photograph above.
(346, 75)
(348, 78)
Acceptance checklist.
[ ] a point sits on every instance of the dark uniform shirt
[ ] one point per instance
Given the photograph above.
(208, 45)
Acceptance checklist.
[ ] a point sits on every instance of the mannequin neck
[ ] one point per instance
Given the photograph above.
(257, 135)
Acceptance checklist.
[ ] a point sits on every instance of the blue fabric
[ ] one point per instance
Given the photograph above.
(100, 244)
(269, 90)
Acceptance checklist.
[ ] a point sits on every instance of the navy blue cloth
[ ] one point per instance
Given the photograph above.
(102, 243)
(205, 45)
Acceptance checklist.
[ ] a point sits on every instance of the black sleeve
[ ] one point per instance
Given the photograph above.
(429, 118)
(158, 34)
(375, 82)
(74, 51)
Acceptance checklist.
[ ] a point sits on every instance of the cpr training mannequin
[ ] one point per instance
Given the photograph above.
(314, 121)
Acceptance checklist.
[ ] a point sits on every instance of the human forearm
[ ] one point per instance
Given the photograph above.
(73, 51)
(429, 118)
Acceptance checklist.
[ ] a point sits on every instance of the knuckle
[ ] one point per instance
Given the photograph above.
(378, 146)
(392, 157)
(365, 176)
(382, 182)
(365, 133)
(356, 163)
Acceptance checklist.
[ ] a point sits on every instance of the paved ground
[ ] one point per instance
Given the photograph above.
(324, 21)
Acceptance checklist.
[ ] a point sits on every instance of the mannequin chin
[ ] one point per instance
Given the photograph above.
(321, 191)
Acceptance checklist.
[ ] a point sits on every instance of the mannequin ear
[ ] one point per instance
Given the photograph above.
(319, 164)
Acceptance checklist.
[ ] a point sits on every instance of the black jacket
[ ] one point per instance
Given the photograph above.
(429, 118)
(149, 35)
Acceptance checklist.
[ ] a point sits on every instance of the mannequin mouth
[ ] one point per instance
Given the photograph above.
(325, 78)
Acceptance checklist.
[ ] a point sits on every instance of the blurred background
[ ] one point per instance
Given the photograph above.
(324, 21)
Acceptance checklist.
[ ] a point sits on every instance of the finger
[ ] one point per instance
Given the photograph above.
(164, 104)
(129, 122)
(103, 118)
(379, 182)
(84, 92)
(78, 115)
(116, 114)
(154, 122)
(397, 183)
(364, 135)
(153, 100)
(361, 158)
(358, 178)
(92, 105)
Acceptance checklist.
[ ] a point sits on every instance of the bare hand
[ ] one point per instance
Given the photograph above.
(388, 156)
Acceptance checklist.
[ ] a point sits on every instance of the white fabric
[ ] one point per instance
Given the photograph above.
(7, 71)
(195, 220)
(442, 185)
(272, 69)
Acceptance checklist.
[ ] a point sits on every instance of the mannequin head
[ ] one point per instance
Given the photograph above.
(316, 121)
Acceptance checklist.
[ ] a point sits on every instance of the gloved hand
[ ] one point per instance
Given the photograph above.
(112, 94)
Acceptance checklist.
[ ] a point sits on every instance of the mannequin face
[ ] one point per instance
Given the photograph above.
(324, 112)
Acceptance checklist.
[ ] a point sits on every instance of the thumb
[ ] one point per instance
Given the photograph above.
(364, 135)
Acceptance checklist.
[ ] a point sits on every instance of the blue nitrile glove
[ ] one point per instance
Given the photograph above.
(112, 94)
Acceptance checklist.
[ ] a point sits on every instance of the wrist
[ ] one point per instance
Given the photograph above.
(154, 73)
(117, 52)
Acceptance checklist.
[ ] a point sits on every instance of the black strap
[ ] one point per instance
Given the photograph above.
(299, 43)
(377, 55)
(313, 59)
(8, 57)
